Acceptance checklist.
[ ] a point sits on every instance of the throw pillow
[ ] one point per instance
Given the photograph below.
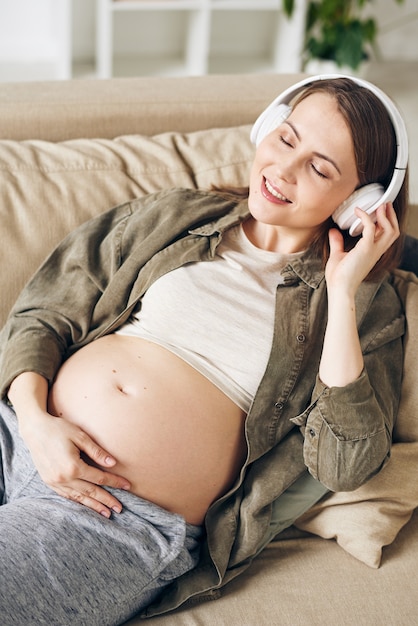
(367, 519)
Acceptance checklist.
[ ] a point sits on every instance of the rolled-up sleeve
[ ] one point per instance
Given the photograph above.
(348, 430)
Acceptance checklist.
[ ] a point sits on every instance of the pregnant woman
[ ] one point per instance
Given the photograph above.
(182, 361)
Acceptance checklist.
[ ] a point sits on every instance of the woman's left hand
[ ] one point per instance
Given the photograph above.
(349, 269)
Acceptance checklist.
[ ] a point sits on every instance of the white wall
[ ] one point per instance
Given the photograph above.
(35, 35)
(398, 29)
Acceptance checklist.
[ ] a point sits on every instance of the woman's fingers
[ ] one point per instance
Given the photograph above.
(91, 496)
(387, 219)
(92, 450)
(351, 268)
(382, 227)
(84, 484)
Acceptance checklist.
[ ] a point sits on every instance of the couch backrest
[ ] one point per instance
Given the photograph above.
(47, 189)
(57, 111)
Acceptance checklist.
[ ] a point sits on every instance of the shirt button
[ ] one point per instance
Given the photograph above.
(312, 432)
(300, 338)
(279, 405)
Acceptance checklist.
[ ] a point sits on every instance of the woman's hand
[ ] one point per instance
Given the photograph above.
(72, 464)
(349, 269)
(67, 459)
(342, 358)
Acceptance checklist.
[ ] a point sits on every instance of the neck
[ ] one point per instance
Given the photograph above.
(276, 238)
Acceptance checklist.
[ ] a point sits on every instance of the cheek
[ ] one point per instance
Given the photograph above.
(329, 198)
(340, 196)
(255, 180)
(254, 199)
(319, 205)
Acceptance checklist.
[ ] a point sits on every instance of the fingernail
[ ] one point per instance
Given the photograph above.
(105, 513)
(117, 509)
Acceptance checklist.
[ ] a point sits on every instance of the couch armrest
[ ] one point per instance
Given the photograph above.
(57, 111)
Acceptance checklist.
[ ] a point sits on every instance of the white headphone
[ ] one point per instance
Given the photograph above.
(369, 197)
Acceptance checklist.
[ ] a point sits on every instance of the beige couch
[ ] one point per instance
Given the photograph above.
(71, 150)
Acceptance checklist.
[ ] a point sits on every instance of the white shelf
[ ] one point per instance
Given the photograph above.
(154, 5)
(245, 5)
(195, 37)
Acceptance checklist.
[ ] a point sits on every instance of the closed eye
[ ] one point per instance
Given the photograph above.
(286, 143)
(321, 156)
(317, 172)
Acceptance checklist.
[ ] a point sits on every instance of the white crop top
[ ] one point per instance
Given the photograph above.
(218, 316)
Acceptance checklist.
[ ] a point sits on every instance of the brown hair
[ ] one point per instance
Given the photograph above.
(375, 150)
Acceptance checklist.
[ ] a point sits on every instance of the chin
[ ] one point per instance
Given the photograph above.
(264, 211)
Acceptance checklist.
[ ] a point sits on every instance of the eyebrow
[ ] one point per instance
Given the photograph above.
(319, 154)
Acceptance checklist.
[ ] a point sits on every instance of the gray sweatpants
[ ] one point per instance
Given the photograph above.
(61, 563)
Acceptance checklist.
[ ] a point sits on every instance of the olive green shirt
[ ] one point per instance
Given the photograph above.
(90, 285)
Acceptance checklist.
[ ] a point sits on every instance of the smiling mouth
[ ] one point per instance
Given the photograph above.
(274, 192)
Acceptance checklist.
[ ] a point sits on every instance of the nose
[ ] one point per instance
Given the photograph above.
(286, 169)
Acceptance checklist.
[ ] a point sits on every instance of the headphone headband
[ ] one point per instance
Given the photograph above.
(280, 108)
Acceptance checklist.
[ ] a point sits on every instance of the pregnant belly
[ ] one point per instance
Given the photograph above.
(176, 437)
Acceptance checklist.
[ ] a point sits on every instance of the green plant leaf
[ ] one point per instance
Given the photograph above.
(311, 16)
(369, 29)
(335, 30)
(288, 7)
(350, 50)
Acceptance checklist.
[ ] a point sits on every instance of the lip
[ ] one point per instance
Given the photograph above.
(273, 193)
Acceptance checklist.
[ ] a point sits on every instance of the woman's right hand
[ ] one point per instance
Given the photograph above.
(67, 459)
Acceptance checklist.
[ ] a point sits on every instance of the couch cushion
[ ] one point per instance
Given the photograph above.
(47, 189)
(366, 520)
(310, 582)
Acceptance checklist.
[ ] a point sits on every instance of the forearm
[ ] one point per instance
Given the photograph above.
(29, 395)
(29, 388)
(342, 359)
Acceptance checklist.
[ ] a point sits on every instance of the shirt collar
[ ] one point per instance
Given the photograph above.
(306, 267)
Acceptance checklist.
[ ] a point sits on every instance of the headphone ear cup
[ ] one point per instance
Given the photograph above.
(270, 119)
(367, 198)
